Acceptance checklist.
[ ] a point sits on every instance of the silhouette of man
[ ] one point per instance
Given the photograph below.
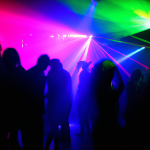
(59, 103)
(106, 132)
(32, 132)
(13, 94)
(84, 98)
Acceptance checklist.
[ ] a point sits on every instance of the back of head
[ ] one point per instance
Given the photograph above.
(103, 73)
(11, 58)
(105, 69)
(55, 64)
(85, 65)
(43, 62)
(136, 75)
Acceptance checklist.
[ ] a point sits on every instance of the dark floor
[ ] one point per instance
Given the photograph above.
(77, 142)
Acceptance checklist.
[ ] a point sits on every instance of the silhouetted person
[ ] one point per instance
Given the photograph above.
(146, 110)
(32, 131)
(13, 94)
(134, 111)
(106, 132)
(59, 103)
(84, 98)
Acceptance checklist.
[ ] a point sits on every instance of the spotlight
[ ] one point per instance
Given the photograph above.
(91, 36)
(64, 35)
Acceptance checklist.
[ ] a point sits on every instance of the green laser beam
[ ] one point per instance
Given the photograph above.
(141, 39)
(122, 42)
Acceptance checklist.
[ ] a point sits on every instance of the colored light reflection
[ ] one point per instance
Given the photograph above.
(131, 54)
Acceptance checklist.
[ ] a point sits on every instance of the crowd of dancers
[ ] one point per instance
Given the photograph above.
(22, 104)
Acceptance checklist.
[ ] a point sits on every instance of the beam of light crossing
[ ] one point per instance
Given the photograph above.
(97, 55)
(101, 52)
(125, 56)
(76, 58)
(75, 73)
(87, 48)
(122, 42)
(131, 54)
(84, 56)
(91, 9)
(141, 39)
(115, 61)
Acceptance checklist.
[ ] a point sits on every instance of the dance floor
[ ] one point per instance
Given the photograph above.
(77, 142)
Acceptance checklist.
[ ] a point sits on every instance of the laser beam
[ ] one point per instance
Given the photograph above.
(115, 61)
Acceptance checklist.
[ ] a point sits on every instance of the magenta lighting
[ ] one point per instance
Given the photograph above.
(52, 36)
(82, 36)
(22, 43)
(74, 36)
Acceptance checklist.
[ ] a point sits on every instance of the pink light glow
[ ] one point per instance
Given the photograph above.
(17, 25)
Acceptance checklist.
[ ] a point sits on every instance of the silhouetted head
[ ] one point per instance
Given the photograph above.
(55, 64)
(136, 75)
(11, 58)
(43, 62)
(103, 73)
(85, 65)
